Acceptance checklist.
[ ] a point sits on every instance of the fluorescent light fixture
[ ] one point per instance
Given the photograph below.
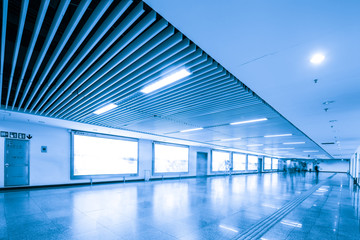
(229, 139)
(166, 81)
(254, 145)
(279, 135)
(278, 148)
(311, 151)
(317, 58)
(249, 121)
(228, 228)
(105, 108)
(293, 143)
(190, 130)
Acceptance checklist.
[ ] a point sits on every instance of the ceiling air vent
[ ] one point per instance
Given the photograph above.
(327, 143)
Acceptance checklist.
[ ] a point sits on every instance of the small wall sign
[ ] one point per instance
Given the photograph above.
(4, 134)
(13, 135)
(21, 135)
(43, 149)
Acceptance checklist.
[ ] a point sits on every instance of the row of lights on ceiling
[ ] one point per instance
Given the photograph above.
(152, 87)
(315, 59)
(234, 123)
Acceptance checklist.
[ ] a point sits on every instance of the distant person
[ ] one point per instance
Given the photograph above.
(316, 169)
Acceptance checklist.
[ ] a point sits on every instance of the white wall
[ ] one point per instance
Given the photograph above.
(53, 167)
(334, 166)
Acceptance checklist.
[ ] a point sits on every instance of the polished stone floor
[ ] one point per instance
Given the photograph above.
(206, 208)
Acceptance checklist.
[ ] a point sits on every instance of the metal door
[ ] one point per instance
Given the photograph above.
(201, 163)
(16, 162)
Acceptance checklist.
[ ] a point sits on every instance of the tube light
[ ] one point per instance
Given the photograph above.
(278, 148)
(279, 135)
(229, 139)
(254, 145)
(292, 143)
(311, 151)
(190, 130)
(166, 81)
(249, 121)
(105, 108)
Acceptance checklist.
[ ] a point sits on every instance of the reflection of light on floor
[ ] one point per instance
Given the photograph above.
(322, 190)
(269, 205)
(262, 238)
(228, 228)
(291, 223)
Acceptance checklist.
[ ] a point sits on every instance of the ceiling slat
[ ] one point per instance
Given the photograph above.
(80, 10)
(96, 73)
(24, 8)
(63, 5)
(3, 38)
(39, 21)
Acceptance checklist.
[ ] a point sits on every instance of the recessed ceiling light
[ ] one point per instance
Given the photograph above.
(249, 121)
(192, 129)
(311, 151)
(105, 108)
(291, 143)
(278, 148)
(328, 102)
(229, 139)
(166, 81)
(279, 135)
(317, 58)
(254, 145)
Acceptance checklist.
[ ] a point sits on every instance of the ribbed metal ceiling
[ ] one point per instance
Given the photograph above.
(65, 59)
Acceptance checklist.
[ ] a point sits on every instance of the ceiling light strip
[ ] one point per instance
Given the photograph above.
(249, 121)
(293, 143)
(114, 90)
(174, 77)
(190, 100)
(191, 130)
(126, 68)
(147, 41)
(278, 135)
(105, 108)
(194, 102)
(141, 69)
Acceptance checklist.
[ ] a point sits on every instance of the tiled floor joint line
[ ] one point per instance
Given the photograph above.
(261, 227)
